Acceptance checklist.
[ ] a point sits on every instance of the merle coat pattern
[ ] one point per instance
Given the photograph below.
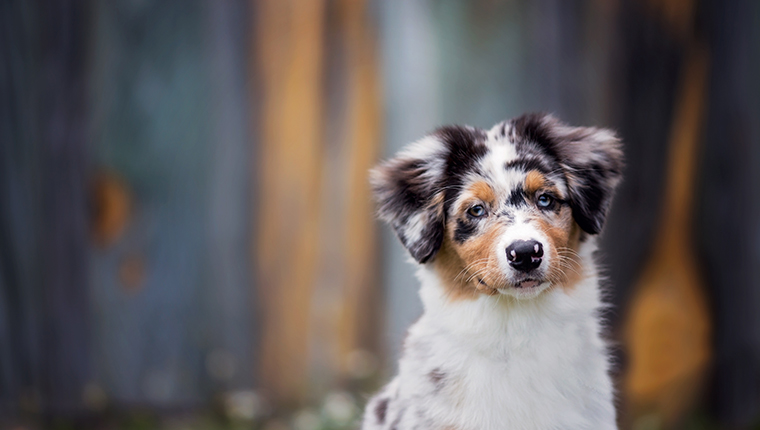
(502, 225)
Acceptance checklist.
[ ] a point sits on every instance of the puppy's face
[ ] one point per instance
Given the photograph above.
(501, 211)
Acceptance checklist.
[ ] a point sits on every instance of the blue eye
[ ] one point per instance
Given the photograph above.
(545, 201)
(477, 211)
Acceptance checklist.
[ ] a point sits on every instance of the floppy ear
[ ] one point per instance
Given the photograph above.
(410, 194)
(593, 162)
(591, 158)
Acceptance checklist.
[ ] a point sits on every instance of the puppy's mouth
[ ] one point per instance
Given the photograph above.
(527, 283)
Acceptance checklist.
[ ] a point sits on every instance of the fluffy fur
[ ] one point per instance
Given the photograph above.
(507, 340)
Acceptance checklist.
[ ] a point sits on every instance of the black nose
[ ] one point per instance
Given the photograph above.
(525, 255)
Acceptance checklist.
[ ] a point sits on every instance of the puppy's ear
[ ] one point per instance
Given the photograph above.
(591, 158)
(410, 193)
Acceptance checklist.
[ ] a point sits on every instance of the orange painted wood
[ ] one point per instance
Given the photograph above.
(316, 236)
(668, 326)
(289, 61)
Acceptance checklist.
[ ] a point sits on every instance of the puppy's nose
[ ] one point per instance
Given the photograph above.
(525, 255)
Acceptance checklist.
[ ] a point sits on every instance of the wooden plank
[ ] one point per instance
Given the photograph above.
(288, 57)
(728, 230)
(66, 306)
(230, 311)
(20, 286)
(668, 329)
(43, 263)
(168, 286)
(360, 308)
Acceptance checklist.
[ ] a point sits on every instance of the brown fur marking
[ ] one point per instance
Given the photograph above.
(483, 191)
(475, 255)
(534, 181)
(564, 236)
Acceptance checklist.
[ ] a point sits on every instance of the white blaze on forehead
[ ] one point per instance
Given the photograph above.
(495, 133)
(493, 164)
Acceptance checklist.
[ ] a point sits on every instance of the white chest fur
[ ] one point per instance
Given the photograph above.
(499, 363)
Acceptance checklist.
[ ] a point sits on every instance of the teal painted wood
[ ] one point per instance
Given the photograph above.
(155, 94)
(169, 92)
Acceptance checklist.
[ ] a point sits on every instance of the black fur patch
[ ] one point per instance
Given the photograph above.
(381, 409)
(590, 197)
(405, 189)
(507, 214)
(408, 192)
(531, 128)
(516, 198)
(464, 230)
(437, 377)
(466, 148)
(526, 164)
(430, 240)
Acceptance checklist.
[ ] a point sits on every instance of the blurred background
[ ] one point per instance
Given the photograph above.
(187, 238)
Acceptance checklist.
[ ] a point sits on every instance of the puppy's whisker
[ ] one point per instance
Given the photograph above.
(478, 273)
(469, 267)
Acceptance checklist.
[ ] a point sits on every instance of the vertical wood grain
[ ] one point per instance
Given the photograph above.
(668, 330)
(289, 59)
(363, 134)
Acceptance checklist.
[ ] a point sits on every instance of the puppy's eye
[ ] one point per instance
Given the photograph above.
(545, 201)
(477, 211)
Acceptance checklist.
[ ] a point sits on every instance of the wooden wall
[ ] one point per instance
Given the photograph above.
(320, 132)
(184, 210)
(44, 342)
(126, 215)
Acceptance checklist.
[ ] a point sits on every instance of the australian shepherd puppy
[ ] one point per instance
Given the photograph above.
(502, 224)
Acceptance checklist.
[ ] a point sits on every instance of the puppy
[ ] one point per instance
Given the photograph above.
(502, 224)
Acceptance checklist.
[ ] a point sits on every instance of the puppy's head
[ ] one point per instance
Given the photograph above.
(504, 210)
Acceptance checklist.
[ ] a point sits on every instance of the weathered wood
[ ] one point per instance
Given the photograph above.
(20, 209)
(320, 133)
(646, 61)
(66, 311)
(45, 304)
(172, 293)
(289, 62)
(728, 229)
(229, 291)
(362, 133)
(668, 329)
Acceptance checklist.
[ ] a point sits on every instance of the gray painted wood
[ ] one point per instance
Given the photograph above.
(728, 230)
(169, 86)
(43, 296)
(411, 87)
(156, 95)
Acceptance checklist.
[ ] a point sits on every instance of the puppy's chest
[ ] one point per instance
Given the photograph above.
(533, 381)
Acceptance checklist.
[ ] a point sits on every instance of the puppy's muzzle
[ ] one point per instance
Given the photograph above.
(525, 255)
